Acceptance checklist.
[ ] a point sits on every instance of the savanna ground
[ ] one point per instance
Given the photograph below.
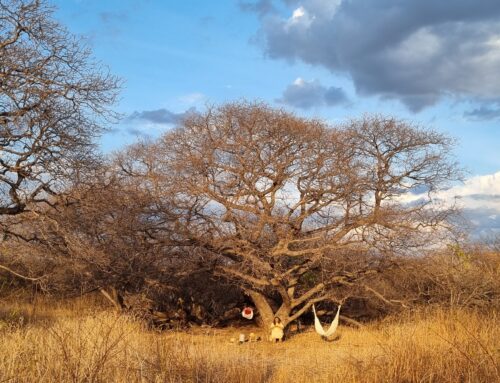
(80, 341)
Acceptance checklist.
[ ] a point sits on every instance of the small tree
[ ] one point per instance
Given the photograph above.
(275, 197)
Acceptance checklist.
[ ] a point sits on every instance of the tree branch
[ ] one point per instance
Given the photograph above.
(20, 275)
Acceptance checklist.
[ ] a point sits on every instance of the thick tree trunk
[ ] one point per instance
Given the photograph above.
(263, 307)
(265, 311)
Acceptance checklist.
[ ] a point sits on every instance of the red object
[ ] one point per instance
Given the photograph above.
(247, 313)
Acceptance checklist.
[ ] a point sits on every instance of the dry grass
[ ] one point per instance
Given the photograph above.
(77, 344)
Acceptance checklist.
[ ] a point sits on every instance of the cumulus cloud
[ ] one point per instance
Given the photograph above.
(307, 94)
(479, 192)
(160, 116)
(416, 51)
(482, 222)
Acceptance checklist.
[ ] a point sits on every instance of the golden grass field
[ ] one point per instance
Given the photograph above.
(78, 342)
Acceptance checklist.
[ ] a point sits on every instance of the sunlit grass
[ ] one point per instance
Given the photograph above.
(80, 344)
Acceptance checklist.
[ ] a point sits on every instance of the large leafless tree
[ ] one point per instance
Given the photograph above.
(53, 99)
(54, 102)
(278, 198)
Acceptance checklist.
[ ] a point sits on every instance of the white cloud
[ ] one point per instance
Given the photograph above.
(299, 81)
(479, 192)
(478, 197)
(300, 18)
(192, 98)
(299, 12)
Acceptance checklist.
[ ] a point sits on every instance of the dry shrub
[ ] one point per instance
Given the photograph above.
(453, 278)
(458, 278)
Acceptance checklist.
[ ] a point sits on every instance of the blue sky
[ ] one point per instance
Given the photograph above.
(174, 55)
(434, 63)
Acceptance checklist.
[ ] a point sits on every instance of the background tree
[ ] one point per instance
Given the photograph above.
(104, 234)
(276, 198)
(53, 101)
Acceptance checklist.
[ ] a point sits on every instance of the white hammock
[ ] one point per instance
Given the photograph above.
(333, 326)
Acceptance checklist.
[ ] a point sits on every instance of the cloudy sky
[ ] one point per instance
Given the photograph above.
(436, 63)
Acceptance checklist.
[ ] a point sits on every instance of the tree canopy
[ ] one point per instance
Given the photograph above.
(275, 197)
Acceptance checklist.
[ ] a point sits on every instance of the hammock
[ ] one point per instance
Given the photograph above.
(333, 326)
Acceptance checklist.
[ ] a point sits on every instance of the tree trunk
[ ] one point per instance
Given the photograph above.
(284, 313)
(266, 313)
(114, 297)
(264, 309)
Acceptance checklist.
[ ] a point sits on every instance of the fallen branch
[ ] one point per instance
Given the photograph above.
(19, 275)
(352, 321)
(391, 302)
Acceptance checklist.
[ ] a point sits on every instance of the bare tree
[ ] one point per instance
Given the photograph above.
(54, 102)
(92, 228)
(53, 99)
(106, 235)
(275, 197)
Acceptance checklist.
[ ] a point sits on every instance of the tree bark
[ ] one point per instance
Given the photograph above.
(266, 313)
(264, 309)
